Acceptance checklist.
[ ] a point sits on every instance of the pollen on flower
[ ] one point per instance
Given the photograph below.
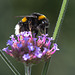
(29, 49)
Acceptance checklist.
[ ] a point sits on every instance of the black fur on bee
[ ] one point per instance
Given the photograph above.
(36, 23)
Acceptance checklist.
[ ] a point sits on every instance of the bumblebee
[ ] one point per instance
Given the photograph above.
(36, 23)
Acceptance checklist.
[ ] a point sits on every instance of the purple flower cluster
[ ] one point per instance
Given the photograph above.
(27, 48)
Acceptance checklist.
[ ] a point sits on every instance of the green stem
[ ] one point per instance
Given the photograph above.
(60, 18)
(9, 64)
(27, 69)
(46, 65)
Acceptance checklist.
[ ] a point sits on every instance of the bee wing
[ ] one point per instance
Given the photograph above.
(31, 16)
(19, 16)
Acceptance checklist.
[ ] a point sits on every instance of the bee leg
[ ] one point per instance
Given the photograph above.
(36, 31)
(46, 30)
(39, 30)
(30, 27)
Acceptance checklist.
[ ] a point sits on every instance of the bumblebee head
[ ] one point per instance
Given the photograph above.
(41, 19)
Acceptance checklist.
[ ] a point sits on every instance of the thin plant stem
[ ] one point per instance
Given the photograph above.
(9, 64)
(27, 69)
(60, 18)
(46, 65)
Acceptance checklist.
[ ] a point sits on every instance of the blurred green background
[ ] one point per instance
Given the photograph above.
(63, 61)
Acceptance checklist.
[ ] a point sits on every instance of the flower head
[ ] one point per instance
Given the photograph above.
(29, 49)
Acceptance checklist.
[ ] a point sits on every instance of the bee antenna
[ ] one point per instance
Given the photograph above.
(19, 16)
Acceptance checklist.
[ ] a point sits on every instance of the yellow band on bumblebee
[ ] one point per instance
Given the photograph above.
(24, 19)
(41, 17)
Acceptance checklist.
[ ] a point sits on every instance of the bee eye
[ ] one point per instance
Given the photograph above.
(43, 22)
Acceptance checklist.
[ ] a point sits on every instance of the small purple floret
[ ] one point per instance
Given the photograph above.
(45, 50)
(9, 42)
(31, 48)
(26, 56)
(56, 47)
(39, 55)
(19, 45)
(5, 49)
